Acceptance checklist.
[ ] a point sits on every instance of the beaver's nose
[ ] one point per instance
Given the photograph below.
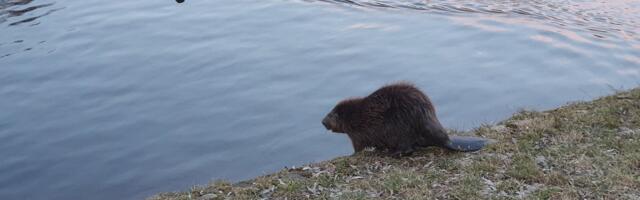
(325, 122)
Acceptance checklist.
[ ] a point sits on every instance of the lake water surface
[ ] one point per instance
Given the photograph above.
(124, 99)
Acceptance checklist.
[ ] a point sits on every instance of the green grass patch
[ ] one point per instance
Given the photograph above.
(524, 168)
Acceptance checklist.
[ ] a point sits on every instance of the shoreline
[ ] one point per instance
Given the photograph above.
(588, 149)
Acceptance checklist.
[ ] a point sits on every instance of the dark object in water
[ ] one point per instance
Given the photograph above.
(398, 118)
(179, 1)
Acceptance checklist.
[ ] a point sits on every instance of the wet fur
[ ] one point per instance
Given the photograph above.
(397, 117)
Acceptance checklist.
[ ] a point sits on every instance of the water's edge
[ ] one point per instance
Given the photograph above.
(305, 180)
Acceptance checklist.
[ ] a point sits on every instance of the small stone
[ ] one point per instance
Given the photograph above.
(491, 185)
(542, 162)
(207, 197)
(528, 189)
(627, 132)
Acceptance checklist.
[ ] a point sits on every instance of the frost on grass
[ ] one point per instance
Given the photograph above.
(584, 150)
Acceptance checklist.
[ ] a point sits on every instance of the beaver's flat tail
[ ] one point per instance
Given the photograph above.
(466, 143)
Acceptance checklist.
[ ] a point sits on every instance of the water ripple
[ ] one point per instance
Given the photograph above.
(602, 19)
(150, 96)
(13, 9)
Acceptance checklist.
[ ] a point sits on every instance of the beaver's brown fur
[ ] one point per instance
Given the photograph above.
(396, 117)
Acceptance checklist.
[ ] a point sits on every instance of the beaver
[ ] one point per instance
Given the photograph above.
(397, 118)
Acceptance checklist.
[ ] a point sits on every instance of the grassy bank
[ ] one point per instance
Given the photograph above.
(581, 150)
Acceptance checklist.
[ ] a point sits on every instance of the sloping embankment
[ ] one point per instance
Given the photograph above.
(581, 150)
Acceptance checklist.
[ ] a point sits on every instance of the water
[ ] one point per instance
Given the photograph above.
(121, 100)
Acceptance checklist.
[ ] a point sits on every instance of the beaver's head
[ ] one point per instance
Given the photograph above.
(343, 116)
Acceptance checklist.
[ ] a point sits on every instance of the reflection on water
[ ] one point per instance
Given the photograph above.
(11, 9)
(607, 24)
(120, 100)
(22, 12)
(602, 19)
(8, 3)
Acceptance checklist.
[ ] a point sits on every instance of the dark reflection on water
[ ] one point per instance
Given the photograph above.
(23, 12)
(120, 100)
(8, 3)
(9, 9)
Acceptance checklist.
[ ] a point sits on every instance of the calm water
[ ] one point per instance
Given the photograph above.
(120, 100)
